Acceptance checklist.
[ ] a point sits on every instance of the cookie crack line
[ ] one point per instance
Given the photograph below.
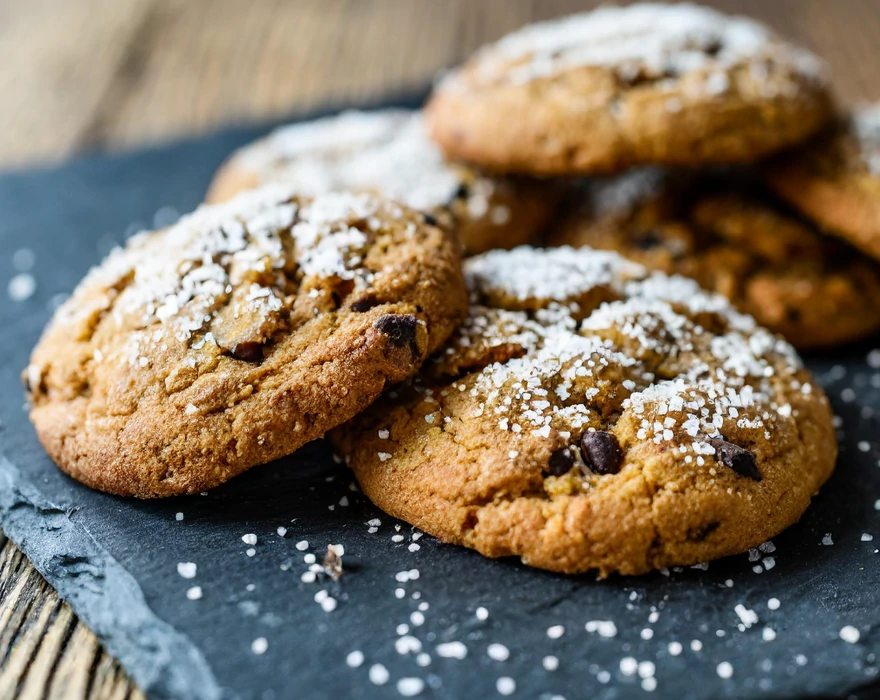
(236, 339)
(633, 421)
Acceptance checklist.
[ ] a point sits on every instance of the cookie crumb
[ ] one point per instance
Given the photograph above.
(333, 561)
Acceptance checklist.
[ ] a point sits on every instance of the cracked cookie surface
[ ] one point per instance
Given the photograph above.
(590, 415)
(388, 152)
(237, 335)
(725, 231)
(835, 179)
(597, 92)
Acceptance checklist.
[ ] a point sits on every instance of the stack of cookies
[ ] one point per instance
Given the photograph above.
(551, 316)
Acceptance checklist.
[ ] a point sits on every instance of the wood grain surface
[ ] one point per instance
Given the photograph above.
(108, 74)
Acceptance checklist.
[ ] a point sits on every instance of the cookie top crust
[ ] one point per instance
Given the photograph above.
(646, 84)
(835, 178)
(387, 152)
(592, 415)
(237, 335)
(644, 41)
(725, 230)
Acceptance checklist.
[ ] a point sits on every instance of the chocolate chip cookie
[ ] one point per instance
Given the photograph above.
(835, 179)
(237, 335)
(388, 152)
(733, 237)
(597, 92)
(591, 415)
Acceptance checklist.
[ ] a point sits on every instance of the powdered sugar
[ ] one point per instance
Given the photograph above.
(387, 152)
(646, 40)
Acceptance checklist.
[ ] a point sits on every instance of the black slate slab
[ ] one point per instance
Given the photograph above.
(117, 560)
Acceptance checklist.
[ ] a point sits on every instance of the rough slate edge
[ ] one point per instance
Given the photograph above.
(162, 661)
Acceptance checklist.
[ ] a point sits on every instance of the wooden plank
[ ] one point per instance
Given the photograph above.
(118, 73)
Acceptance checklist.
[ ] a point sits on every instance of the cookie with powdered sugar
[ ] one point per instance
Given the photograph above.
(237, 335)
(597, 92)
(835, 179)
(589, 415)
(388, 152)
(730, 234)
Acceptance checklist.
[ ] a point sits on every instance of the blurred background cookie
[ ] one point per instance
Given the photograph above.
(649, 83)
(725, 231)
(835, 179)
(388, 152)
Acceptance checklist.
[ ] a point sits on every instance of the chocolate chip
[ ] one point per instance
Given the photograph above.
(431, 220)
(365, 304)
(646, 240)
(248, 351)
(561, 462)
(737, 458)
(400, 329)
(601, 452)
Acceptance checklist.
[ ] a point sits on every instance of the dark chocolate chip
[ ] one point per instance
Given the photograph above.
(365, 304)
(737, 458)
(561, 462)
(248, 351)
(646, 240)
(601, 452)
(431, 220)
(400, 329)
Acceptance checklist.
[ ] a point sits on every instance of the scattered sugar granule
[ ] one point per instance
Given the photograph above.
(768, 634)
(550, 663)
(646, 633)
(355, 658)
(186, 569)
(329, 604)
(250, 539)
(410, 687)
(452, 650)
(423, 659)
(724, 669)
(603, 676)
(849, 634)
(414, 547)
(628, 666)
(827, 540)
(302, 545)
(259, 646)
(482, 613)
(675, 648)
(282, 531)
(417, 619)
(867, 537)
(696, 645)
(22, 287)
(800, 660)
(605, 628)
(178, 517)
(773, 604)
(505, 685)
(397, 538)
(194, 593)
(250, 551)
(748, 617)
(498, 652)
(649, 684)
(407, 644)
(378, 674)
(646, 669)
(555, 632)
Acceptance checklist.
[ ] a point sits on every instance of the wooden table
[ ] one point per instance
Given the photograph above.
(107, 74)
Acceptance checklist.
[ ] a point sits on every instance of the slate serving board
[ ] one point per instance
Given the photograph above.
(257, 630)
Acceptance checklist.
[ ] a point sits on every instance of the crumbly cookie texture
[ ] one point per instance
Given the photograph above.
(726, 231)
(597, 92)
(237, 335)
(590, 415)
(835, 179)
(388, 152)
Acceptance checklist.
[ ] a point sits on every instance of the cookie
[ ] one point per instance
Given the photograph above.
(597, 92)
(237, 335)
(730, 235)
(589, 415)
(388, 152)
(835, 179)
